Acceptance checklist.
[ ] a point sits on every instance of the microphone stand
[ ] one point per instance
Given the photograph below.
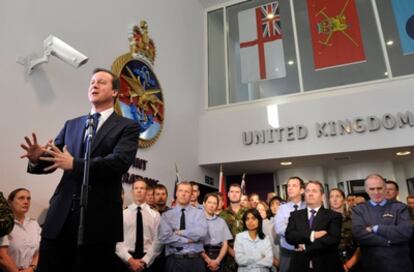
(85, 182)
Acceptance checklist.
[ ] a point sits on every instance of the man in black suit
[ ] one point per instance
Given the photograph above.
(113, 150)
(316, 233)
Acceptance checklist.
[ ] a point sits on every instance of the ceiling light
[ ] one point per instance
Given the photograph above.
(403, 153)
(270, 16)
(390, 42)
(286, 163)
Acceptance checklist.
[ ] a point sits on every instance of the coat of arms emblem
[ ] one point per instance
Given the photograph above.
(140, 97)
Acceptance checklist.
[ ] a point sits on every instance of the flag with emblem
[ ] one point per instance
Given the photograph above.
(335, 32)
(404, 15)
(261, 46)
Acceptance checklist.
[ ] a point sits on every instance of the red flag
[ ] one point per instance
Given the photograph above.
(335, 31)
(222, 187)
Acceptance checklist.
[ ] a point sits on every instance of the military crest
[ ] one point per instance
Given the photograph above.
(140, 97)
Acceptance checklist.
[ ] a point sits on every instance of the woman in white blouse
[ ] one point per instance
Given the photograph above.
(253, 251)
(25, 237)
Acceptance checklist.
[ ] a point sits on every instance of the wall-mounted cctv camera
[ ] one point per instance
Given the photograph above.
(58, 48)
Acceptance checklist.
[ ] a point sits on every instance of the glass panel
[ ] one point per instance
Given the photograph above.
(401, 64)
(288, 84)
(216, 60)
(372, 68)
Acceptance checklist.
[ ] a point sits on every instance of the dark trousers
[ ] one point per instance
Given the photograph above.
(62, 254)
(175, 264)
(285, 257)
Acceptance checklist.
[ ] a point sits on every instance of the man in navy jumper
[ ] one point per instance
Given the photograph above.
(383, 230)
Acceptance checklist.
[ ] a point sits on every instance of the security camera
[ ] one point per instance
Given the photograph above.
(58, 48)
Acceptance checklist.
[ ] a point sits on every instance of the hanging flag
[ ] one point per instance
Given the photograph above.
(222, 187)
(243, 184)
(335, 32)
(404, 15)
(261, 46)
(177, 180)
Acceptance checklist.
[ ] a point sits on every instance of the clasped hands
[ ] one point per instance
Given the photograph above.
(316, 234)
(50, 152)
(136, 265)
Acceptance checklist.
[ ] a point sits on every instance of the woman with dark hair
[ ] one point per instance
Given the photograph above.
(348, 251)
(253, 251)
(269, 231)
(274, 205)
(24, 239)
(215, 244)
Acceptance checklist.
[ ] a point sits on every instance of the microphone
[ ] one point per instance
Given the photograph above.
(89, 125)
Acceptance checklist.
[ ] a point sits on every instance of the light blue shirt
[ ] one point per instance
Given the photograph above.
(191, 239)
(218, 231)
(282, 220)
(252, 255)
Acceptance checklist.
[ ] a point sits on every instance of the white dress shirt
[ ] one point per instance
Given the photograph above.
(24, 242)
(252, 255)
(104, 116)
(151, 222)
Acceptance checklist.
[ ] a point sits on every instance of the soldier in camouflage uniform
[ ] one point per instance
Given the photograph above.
(348, 250)
(6, 217)
(233, 217)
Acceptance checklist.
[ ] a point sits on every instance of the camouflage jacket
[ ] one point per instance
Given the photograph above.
(6, 217)
(233, 220)
(347, 245)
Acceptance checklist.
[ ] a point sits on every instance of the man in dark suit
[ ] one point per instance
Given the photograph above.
(316, 233)
(113, 150)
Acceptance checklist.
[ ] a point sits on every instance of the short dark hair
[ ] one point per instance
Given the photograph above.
(211, 195)
(193, 183)
(115, 79)
(316, 182)
(274, 199)
(160, 186)
(395, 184)
(13, 193)
(302, 183)
(410, 197)
(235, 185)
(142, 180)
(256, 214)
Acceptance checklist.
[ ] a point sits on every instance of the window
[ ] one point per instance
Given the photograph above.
(266, 48)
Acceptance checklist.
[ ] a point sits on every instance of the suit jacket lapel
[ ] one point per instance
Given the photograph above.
(319, 217)
(80, 136)
(304, 217)
(106, 127)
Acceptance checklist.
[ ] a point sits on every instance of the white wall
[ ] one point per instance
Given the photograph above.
(221, 128)
(55, 92)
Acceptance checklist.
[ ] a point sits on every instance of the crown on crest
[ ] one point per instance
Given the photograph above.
(140, 43)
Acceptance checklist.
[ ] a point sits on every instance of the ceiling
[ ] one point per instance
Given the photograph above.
(325, 160)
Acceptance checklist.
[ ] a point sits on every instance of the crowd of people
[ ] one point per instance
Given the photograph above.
(86, 229)
(298, 234)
